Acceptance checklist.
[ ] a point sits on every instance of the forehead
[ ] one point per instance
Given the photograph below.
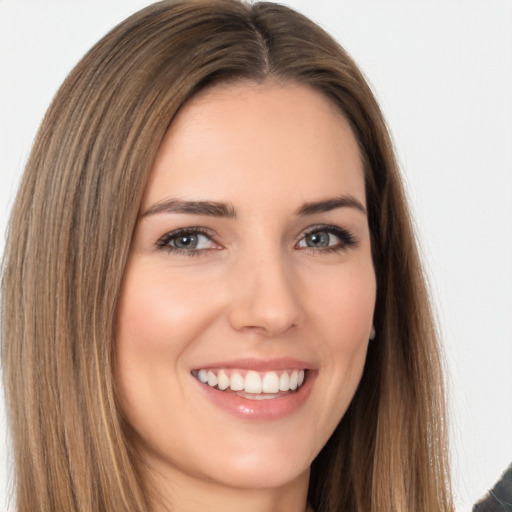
(247, 139)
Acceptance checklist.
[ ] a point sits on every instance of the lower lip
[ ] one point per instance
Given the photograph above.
(262, 410)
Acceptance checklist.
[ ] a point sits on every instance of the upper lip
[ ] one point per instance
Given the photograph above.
(259, 365)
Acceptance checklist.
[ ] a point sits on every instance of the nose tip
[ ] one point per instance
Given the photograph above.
(266, 301)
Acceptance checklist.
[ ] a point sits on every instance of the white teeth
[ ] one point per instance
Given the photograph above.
(261, 396)
(236, 382)
(293, 380)
(223, 380)
(270, 383)
(252, 383)
(212, 379)
(284, 382)
(265, 384)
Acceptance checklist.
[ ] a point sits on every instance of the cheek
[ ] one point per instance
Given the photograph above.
(344, 313)
(159, 314)
(343, 303)
(159, 319)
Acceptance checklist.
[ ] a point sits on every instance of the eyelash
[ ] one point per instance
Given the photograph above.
(346, 238)
(164, 242)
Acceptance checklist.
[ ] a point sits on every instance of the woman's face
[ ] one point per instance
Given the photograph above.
(248, 297)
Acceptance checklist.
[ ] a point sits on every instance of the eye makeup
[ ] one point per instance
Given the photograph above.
(196, 240)
(319, 238)
(192, 241)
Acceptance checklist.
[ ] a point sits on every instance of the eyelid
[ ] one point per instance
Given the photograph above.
(347, 238)
(163, 241)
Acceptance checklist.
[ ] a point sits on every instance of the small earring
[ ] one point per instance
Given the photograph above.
(372, 333)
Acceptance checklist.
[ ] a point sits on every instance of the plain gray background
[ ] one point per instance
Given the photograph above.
(442, 71)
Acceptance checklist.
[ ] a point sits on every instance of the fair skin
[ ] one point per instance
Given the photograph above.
(275, 277)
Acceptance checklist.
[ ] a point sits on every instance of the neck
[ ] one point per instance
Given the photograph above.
(189, 494)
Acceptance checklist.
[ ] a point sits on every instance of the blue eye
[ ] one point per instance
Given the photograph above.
(319, 240)
(326, 238)
(186, 241)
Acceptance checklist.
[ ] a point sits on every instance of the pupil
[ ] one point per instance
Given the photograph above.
(186, 242)
(320, 239)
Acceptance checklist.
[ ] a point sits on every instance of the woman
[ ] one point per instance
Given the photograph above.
(209, 230)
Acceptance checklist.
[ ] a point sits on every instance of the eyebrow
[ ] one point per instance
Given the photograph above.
(331, 204)
(216, 209)
(210, 208)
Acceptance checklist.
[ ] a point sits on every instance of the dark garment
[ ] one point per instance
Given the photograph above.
(499, 498)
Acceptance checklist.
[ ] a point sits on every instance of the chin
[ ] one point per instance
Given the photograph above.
(262, 474)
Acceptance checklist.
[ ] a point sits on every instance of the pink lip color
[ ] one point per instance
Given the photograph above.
(260, 365)
(260, 410)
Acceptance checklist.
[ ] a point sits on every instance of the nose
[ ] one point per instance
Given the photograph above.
(265, 297)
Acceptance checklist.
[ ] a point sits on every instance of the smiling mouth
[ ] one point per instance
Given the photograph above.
(251, 384)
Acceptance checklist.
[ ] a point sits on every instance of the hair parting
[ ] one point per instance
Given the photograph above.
(70, 234)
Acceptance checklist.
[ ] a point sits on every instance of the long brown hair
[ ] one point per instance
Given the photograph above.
(70, 233)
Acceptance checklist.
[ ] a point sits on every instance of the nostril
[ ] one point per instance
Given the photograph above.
(263, 298)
